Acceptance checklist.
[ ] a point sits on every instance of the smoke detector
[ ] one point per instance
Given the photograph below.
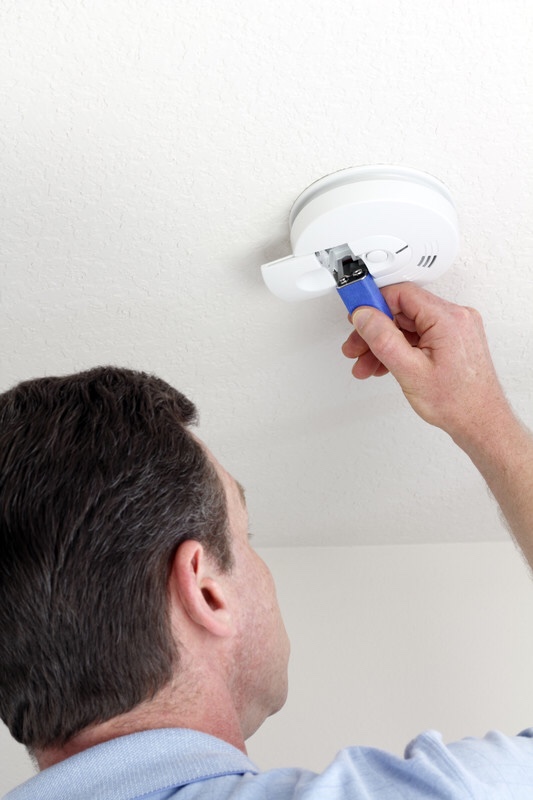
(363, 228)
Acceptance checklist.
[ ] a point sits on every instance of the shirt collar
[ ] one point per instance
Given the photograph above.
(135, 765)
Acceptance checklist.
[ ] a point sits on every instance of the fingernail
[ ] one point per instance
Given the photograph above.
(360, 317)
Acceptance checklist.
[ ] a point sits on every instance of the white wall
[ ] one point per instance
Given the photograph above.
(388, 641)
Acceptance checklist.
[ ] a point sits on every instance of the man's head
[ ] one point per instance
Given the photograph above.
(100, 483)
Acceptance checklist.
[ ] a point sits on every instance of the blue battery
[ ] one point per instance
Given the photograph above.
(363, 292)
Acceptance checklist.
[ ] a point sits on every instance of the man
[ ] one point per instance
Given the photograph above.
(141, 637)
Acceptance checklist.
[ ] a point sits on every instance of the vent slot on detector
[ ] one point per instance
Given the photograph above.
(427, 261)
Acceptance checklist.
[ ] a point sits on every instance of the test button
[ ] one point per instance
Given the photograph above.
(377, 256)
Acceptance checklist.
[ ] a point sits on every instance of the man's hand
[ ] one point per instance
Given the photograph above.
(438, 353)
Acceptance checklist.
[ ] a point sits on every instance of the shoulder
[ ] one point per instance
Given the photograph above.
(496, 767)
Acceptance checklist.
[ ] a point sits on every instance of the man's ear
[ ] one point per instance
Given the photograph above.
(198, 583)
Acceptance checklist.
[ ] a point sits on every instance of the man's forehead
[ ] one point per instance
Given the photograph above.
(233, 482)
(242, 492)
(223, 473)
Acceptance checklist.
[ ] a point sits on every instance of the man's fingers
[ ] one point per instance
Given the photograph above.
(414, 308)
(385, 340)
(368, 366)
(354, 346)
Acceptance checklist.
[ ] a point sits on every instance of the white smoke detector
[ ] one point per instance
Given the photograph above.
(383, 223)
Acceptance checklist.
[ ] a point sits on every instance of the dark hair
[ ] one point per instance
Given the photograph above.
(100, 481)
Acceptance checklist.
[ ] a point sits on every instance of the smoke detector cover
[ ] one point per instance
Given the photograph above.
(399, 222)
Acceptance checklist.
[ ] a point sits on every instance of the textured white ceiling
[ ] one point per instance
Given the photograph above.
(150, 156)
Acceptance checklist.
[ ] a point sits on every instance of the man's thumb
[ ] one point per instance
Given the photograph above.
(360, 317)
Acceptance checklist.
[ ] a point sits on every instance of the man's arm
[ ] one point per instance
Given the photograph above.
(440, 357)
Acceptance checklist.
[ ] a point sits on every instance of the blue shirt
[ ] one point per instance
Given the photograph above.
(172, 762)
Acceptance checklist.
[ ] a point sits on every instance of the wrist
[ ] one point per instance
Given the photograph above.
(494, 440)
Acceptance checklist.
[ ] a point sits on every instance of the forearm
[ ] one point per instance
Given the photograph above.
(503, 454)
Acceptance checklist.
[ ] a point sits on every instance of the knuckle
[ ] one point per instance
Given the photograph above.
(465, 316)
(474, 313)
